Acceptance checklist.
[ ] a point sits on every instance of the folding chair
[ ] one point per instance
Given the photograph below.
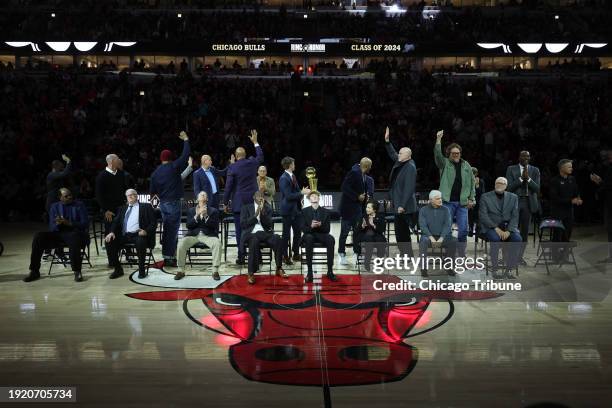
(129, 257)
(546, 245)
(61, 256)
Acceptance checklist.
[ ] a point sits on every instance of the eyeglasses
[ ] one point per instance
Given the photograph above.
(455, 153)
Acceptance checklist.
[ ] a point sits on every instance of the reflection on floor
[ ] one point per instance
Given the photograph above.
(279, 343)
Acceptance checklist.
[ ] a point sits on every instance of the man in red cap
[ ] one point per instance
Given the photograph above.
(167, 184)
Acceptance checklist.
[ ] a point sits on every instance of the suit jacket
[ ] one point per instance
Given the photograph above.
(146, 221)
(248, 218)
(493, 211)
(291, 195)
(308, 216)
(241, 181)
(208, 226)
(402, 181)
(516, 185)
(561, 192)
(202, 183)
(380, 225)
(352, 186)
(76, 213)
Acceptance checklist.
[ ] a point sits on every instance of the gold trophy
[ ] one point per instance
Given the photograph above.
(311, 175)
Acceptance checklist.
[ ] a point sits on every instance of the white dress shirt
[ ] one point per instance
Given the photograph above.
(132, 222)
(258, 227)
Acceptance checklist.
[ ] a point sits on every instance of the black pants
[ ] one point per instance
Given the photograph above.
(371, 241)
(107, 230)
(254, 240)
(308, 240)
(346, 226)
(291, 222)
(402, 233)
(75, 240)
(113, 248)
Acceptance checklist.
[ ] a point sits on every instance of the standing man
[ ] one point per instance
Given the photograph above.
(316, 228)
(402, 182)
(135, 223)
(605, 185)
(56, 179)
(524, 181)
(110, 193)
(291, 208)
(456, 185)
(241, 185)
(564, 195)
(207, 179)
(357, 189)
(266, 185)
(68, 225)
(499, 217)
(167, 184)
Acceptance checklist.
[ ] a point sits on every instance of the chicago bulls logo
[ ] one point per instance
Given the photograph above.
(325, 335)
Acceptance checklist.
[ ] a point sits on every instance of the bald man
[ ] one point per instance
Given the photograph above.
(207, 179)
(357, 188)
(241, 184)
(402, 182)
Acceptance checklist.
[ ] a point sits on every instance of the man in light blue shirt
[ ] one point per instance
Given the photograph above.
(206, 179)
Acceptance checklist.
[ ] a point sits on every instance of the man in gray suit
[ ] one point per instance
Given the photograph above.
(499, 216)
(524, 181)
(402, 182)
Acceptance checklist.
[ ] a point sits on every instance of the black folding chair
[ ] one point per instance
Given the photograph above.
(61, 256)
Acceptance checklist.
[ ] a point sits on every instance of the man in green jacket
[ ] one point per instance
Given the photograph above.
(457, 185)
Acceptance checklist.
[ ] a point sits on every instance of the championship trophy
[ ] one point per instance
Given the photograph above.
(311, 175)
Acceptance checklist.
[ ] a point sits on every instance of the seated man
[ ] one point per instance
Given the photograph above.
(435, 222)
(135, 223)
(498, 215)
(370, 230)
(203, 226)
(257, 227)
(316, 227)
(68, 226)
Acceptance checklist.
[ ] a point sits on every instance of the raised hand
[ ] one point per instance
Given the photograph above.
(190, 161)
(183, 135)
(65, 158)
(439, 135)
(387, 134)
(232, 158)
(253, 136)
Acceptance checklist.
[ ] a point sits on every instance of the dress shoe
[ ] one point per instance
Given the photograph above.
(251, 279)
(117, 273)
(297, 258)
(34, 275)
(216, 276)
(287, 261)
(78, 277)
(281, 273)
(142, 274)
(179, 276)
(308, 278)
(331, 276)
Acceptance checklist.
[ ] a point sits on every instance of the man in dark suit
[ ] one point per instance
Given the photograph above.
(241, 184)
(524, 181)
(290, 208)
(257, 227)
(357, 189)
(203, 227)
(135, 223)
(604, 182)
(68, 225)
(498, 216)
(402, 182)
(316, 227)
(564, 195)
(207, 179)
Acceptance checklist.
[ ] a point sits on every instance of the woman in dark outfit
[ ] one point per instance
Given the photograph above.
(371, 228)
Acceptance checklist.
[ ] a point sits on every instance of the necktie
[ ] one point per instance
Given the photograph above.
(126, 218)
(294, 180)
